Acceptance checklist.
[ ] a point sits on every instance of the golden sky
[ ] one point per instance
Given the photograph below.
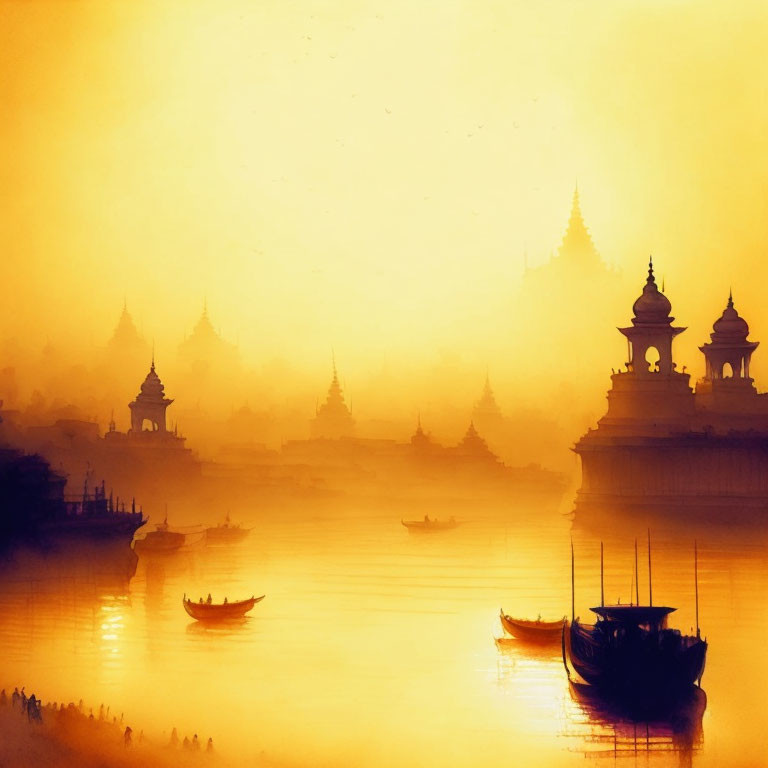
(368, 175)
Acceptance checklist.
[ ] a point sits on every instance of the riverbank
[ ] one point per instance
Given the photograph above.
(68, 736)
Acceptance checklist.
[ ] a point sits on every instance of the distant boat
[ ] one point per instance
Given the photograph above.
(162, 539)
(535, 631)
(225, 533)
(429, 525)
(219, 611)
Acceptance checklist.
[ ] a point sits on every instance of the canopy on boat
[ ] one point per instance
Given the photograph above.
(633, 614)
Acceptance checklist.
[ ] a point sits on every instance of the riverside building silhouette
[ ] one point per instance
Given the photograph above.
(663, 444)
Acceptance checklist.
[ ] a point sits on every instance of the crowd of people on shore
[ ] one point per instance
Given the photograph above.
(37, 713)
(27, 705)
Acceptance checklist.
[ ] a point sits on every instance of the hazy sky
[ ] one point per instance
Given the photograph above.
(368, 175)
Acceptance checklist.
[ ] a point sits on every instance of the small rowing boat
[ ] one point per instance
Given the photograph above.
(204, 611)
(429, 525)
(226, 533)
(161, 540)
(535, 631)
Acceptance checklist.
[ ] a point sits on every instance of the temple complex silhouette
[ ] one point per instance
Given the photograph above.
(665, 445)
(333, 419)
(204, 350)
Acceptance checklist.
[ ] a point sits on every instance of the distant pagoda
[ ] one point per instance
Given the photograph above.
(473, 447)
(486, 412)
(333, 419)
(206, 346)
(421, 442)
(577, 247)
(126, 339)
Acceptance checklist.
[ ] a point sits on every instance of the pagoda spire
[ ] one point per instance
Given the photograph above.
(577, 246)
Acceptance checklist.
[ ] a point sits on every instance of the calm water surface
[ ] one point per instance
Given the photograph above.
(375, 647)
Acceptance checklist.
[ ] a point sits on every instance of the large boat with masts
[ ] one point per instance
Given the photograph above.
(630, 653)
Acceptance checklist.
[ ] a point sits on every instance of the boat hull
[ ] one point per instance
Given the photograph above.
(220, 611)
(225, 535)
(641, 665)
(532, 631)
(433, 526)
(160, 541)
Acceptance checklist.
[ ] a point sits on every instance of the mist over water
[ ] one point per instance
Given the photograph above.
(376, 647)
(429, 220)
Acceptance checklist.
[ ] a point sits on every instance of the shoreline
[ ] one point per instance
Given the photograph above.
(69, 735)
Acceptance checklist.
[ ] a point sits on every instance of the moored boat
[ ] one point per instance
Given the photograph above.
(630, 654)
(226, 532)
(205, 611)
(534, 631)
(429, 525)
(161, 540)
(630, 651)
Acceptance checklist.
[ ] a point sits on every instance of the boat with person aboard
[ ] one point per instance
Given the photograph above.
(430, 525)
(225, 533)
(210, 611)
(161, 540)
(537, 631)
(631, 654)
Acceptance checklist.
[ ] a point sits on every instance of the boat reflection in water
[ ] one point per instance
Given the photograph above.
(617, 730)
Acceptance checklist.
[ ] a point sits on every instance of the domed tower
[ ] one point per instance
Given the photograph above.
(651, 329)
(150, 404)
(650, 395)
(728, 353)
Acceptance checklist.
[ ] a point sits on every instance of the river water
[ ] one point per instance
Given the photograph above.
(376, 647)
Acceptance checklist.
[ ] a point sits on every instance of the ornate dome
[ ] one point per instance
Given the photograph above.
(652, 306)
(730, 324)
(152, 387)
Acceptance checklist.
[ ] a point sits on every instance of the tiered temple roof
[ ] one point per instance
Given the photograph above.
(333, 418)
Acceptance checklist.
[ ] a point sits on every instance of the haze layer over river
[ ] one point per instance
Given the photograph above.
(375, 647)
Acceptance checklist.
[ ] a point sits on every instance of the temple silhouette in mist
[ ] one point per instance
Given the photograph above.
(663, 444)
(333, 419)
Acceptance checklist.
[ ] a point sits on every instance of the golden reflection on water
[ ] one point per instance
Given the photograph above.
(376, 647)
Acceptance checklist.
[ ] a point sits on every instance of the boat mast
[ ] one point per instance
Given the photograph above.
(573, 583)
(602, 586)
(650, 586)
(637, 577)
(696, 582)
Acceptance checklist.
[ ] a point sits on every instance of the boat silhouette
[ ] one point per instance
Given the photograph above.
(537, 631)
(162, 539)
(631, 655)
(205, 611)
(429, 525)
(226, 533)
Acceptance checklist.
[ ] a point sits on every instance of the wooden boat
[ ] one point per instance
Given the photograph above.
(225, 533)
(534, 631)
(630, 651)
(429, 525)
(630, 654)
(162, 539)
(219, 611)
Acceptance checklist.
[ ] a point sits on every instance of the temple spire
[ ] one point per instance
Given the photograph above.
(577, 246)
(650, 279)
(730, 298)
